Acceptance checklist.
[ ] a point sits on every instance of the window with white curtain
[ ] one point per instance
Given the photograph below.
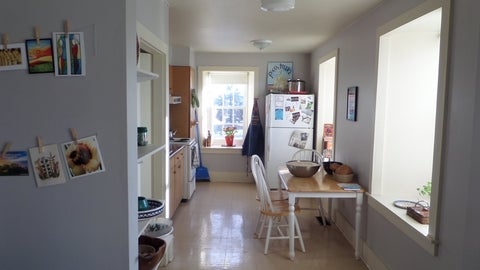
(226, 101)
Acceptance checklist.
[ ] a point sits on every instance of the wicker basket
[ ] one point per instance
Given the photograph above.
(419, 213)
(149, 262)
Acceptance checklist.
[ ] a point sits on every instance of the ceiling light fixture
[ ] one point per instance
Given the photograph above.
(277, 5)
(261, 43)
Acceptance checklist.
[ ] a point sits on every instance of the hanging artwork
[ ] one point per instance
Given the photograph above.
(39, 55)
(83, 157)
(69, 54)
(13, 57)
(278, 74)
(47, 166)
(352, 103)
(14, 163)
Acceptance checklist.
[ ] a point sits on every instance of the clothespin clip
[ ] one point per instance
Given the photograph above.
(66, 26)
(73, 132)
(37, 36)
(4, 40)
(40, 144)
(6, 147)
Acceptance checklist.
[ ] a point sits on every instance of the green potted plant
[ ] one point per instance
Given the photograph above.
(229, 135)
(425, 190)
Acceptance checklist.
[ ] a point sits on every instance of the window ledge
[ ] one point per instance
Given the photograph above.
(399, 218)
(218, 149)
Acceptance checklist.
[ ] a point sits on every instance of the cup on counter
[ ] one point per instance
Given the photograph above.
(142, 203)
(142, 136)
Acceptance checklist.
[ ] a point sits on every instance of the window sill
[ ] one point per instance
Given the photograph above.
(399, 218)
(218, 149)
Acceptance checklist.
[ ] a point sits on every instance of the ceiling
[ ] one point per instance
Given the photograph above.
(230, 25)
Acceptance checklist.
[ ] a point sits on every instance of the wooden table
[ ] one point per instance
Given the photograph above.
(320, 185)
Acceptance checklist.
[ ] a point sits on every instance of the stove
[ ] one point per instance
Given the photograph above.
(189, 165)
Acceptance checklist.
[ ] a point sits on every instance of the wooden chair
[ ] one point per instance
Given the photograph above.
(275, 195)
(275, 212)
(314, 156)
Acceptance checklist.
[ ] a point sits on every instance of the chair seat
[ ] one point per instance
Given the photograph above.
(279, 209)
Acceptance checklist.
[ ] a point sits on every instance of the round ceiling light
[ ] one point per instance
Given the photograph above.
(261, 43)
(277, 5)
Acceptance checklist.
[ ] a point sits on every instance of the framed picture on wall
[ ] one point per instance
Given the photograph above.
(352, 93)
(39, 55)
(13, 57)
(69, 54)
(83, 157)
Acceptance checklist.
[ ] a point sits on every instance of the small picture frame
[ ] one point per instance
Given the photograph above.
(83, 157)
(14, 163)
(47, 167)
(13, 57)
(69, 54)
(352, 93)
(39, 55)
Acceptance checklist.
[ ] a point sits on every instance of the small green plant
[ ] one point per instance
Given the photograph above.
(425, 190)
(230, 131)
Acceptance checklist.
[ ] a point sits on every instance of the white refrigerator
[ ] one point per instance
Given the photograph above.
(289, 122)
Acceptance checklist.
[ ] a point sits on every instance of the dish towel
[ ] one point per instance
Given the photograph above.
(195, 159)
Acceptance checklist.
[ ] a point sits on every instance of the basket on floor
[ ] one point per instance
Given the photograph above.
(150, 261)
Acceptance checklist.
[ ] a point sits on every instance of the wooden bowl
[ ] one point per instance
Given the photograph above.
(344, 178)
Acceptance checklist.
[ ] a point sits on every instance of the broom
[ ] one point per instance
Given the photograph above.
(201, 172)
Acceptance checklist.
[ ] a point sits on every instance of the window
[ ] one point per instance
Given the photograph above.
(412, 55)
(226, 101)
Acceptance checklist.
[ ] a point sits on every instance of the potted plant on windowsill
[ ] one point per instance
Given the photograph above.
(420, 211)
(229, 135)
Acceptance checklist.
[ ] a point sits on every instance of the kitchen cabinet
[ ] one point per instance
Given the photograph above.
(182, 82)
(176, 180)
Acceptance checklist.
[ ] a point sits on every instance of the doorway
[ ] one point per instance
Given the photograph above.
(326, 100)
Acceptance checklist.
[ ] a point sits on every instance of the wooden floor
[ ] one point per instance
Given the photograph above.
(215, 230)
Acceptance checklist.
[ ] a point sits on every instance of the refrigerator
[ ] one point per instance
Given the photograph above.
(289, 122)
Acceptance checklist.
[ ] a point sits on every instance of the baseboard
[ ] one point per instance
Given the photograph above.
(239, 177)
(366, 254)
(371, 259)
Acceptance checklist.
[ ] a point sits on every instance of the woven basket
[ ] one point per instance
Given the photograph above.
(151, 261)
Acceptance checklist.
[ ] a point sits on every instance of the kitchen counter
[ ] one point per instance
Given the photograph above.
(174, 148)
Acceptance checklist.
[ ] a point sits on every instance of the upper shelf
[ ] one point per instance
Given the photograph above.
(143, 75)
(148, 150)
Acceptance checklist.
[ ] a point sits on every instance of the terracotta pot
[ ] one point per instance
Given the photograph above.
(229, 140)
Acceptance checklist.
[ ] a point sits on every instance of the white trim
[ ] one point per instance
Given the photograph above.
(222, 150)
(238, 177)
(371, 259)
(146, 37)
(250, 95)
(411, 228)
(366, 254)
(429, 241)
(319, 95)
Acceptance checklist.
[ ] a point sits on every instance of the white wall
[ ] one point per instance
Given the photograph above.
(357, 67)
(84, 223)
(408, 106)
(89, 222)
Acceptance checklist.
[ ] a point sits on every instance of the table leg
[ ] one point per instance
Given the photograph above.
(358, 215)
(291, 226)
(330, 210)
